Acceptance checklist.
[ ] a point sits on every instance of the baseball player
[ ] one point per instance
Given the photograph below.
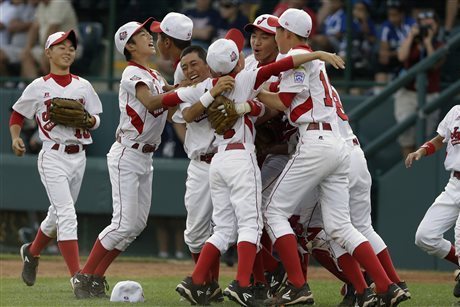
(234, 176)
(130, 157)
(62, 159)
(321, 160)
(444, 212)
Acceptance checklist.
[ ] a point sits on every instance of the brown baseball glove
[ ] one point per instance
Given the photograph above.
(70, 113)
(223, 118)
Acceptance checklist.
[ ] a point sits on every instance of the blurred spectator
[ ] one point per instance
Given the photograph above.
(420, 43)
(250, 8)
(451, 14)
(165, 228)
(230, 17)
(51, 16)
(364, 36)
(17, 29)
(205, 20)
(333, 28)
(297, 4)
(394, 31)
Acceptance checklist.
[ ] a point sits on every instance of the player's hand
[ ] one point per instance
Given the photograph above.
(225, 83)
(332, 59)
(414, 156)
(18, 147)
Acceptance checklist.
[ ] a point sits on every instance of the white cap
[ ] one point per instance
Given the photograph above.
(294, 20)
(224, 53)
(127, 291)
(175, 25)
(261, 23)
(127, 30)
(58, 37)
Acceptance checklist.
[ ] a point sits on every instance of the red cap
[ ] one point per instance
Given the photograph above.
(273, 22)
(236, 36)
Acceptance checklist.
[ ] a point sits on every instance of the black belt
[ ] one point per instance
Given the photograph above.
(317, 126)
(70, 149)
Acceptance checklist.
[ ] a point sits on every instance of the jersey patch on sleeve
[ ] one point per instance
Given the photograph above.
(299, 77)
(135, 78)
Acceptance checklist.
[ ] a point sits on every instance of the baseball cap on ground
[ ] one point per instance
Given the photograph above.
(261, 24)
(175, 25)
(224, 53)
(58, 37)
(127, 30)
(127, 291)
(294, 20)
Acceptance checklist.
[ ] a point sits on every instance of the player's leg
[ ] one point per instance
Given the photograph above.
(438, 219)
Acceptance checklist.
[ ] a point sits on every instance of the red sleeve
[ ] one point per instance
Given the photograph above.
(273, 69)
(170, 100)
(286, 98)
(16, 119)
(274, 87)
(256, 108)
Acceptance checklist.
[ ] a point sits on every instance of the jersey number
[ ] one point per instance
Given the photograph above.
(328, 100)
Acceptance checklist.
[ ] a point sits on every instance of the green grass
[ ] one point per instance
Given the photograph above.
(160, 292)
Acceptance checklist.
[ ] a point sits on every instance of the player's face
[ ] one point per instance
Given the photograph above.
(281, 40)
(194, 68)
(161, 46)
(61, 55)
(143, 42)
(263, 46)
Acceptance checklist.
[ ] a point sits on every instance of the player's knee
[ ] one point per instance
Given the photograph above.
(424, 240)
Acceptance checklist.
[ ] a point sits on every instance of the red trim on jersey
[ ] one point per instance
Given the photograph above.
(176, 63)
(16, 118)
(135, 119)
(256, 108)
(303, 47)
(131, 63)
(273, 69)
(287, 98)
(170, 100)
(301, 109)
(75, 76)
(274, 87)
(62, 80)
(41, 128)
(248, 123)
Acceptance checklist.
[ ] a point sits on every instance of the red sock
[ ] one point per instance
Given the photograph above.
(106, 262)
(352, 271)
(385, 260)
(258, 269)
(95, 257)
(266, 242)
(270, 262)
(40, 242)
(451, 256)
(208, 255)
(286, 246)
(195, 257)
(246, 256)
(215, 269)
(304, 264)
(365, 255)
(324, 258)
(69, 250)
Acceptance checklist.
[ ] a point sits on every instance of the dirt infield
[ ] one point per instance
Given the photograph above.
(55, 267)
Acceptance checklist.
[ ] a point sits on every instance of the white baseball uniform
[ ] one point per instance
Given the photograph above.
(198, 146)
(321, 159)
(444, 212)
(62, 160)
(130, 158)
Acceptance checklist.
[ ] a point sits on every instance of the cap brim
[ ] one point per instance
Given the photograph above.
(236, 36)
(273, 22)
(70, 35)
(146, 24)
(250, 28)
(155, 27)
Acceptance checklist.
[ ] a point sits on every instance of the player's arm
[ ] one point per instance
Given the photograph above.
(276, 101)
(145, 96)
(426, 149)
(17, 144)
(224, 84)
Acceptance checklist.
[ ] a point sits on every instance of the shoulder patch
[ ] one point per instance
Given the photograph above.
(135, 78)
(299, 77)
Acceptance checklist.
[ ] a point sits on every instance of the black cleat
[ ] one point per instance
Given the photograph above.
(81, 284)
(195, 294)
(367, 299)
(403, 286)
(290, 295)
(30, 265)
(99, 286)
(276, 279)
(349, 298)
(241, 295)
(392, 297)
(457, 285)
(216, 292)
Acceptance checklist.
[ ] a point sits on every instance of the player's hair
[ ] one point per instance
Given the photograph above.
(128, 55)
(197, 49)
(180, 44)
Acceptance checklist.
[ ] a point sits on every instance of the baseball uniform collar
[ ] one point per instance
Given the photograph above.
(131, 63)
(62, 80)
